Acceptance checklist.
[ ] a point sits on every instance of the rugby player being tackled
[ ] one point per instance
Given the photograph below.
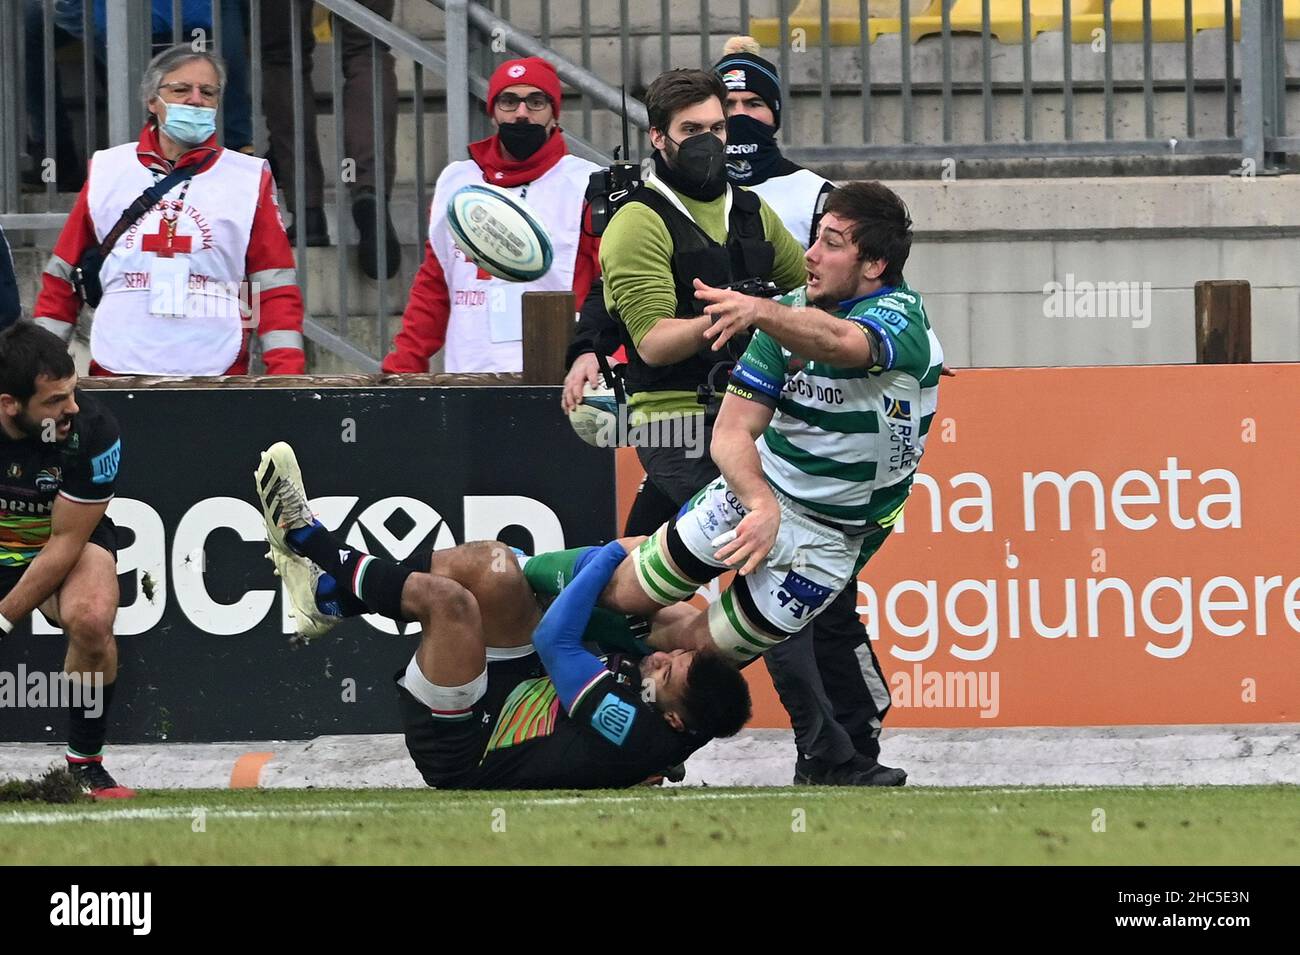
(817, 440)
(499, 695)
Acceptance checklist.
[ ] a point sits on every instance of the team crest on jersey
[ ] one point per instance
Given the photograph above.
(898, 409)
(15, 470)
(49, 479)
(740, 169)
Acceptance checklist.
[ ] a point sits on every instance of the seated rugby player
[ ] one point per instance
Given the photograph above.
(498, 694)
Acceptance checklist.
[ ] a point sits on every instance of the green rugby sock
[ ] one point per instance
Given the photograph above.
(547, 574)
(551, 572)
(618, 632)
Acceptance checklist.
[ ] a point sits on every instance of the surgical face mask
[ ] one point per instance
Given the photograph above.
(700, 165)
(188, 125)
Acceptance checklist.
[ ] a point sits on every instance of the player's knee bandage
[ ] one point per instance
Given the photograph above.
(446, 702)
(666, 571)
(738, 629)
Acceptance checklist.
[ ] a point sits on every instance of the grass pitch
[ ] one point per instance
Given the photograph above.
(791, 826)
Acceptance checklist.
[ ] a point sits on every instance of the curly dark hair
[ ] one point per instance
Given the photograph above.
(882, 227)
(717, 697)
(28, 351)
(675, 90)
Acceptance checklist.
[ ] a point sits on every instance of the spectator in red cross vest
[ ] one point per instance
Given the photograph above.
(455, 304)
(186, 282)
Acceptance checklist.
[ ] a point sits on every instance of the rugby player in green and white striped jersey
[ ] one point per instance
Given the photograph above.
(818, 438)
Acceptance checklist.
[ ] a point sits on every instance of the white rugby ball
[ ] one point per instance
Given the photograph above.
(499, 233)
(595, 420)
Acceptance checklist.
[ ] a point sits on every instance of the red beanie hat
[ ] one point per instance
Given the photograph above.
(530, 71)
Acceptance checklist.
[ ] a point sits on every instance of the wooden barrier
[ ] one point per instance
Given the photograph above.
(548, 327)
(1223, 322)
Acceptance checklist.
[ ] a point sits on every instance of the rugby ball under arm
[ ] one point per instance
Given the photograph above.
(499, 233)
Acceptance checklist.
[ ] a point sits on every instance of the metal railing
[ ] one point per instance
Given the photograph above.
(926, 88)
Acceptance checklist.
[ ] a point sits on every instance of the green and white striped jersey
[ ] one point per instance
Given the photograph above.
(845, 442)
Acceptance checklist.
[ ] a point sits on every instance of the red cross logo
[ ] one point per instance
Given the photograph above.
(165, 241)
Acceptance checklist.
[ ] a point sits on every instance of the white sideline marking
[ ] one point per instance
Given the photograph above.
(329, 810)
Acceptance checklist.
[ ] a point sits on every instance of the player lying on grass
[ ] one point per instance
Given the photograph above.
(499, 695)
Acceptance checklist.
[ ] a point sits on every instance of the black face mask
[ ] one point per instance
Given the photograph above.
(699, 170)
(752, 152)
(521, 140)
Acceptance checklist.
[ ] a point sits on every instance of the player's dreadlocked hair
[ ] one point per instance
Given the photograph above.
(882, 227)
(716, 698)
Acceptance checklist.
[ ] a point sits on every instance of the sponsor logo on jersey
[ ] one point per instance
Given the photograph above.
(892, 317)
(903, 452)
(14, 506)
(103, 467)
(898, 409)
(613, 719)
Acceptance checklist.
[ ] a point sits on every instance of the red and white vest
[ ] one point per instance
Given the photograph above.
(483, 328)
(212, 229)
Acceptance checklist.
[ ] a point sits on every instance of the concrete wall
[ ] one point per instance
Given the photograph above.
(985, 250)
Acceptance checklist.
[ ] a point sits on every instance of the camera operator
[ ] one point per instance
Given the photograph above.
(685, 222)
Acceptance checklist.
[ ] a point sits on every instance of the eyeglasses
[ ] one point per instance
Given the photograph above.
(183, 90)
(536, 102)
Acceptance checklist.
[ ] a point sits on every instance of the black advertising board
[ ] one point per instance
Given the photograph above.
(396, 469)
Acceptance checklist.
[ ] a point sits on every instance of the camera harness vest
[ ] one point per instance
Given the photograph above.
(747, 254)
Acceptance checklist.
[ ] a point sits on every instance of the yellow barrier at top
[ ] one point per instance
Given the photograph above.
(926, 19)
(1006, 21)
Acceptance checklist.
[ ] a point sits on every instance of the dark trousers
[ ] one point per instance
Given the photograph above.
(831, 684)
(358, 103)
(826, 675)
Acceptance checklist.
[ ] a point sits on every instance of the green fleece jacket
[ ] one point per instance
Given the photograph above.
(636, 255)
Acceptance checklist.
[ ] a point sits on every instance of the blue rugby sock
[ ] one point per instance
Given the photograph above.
(335, 601)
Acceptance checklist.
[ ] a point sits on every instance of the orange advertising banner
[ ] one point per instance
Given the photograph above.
(1091, 546)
